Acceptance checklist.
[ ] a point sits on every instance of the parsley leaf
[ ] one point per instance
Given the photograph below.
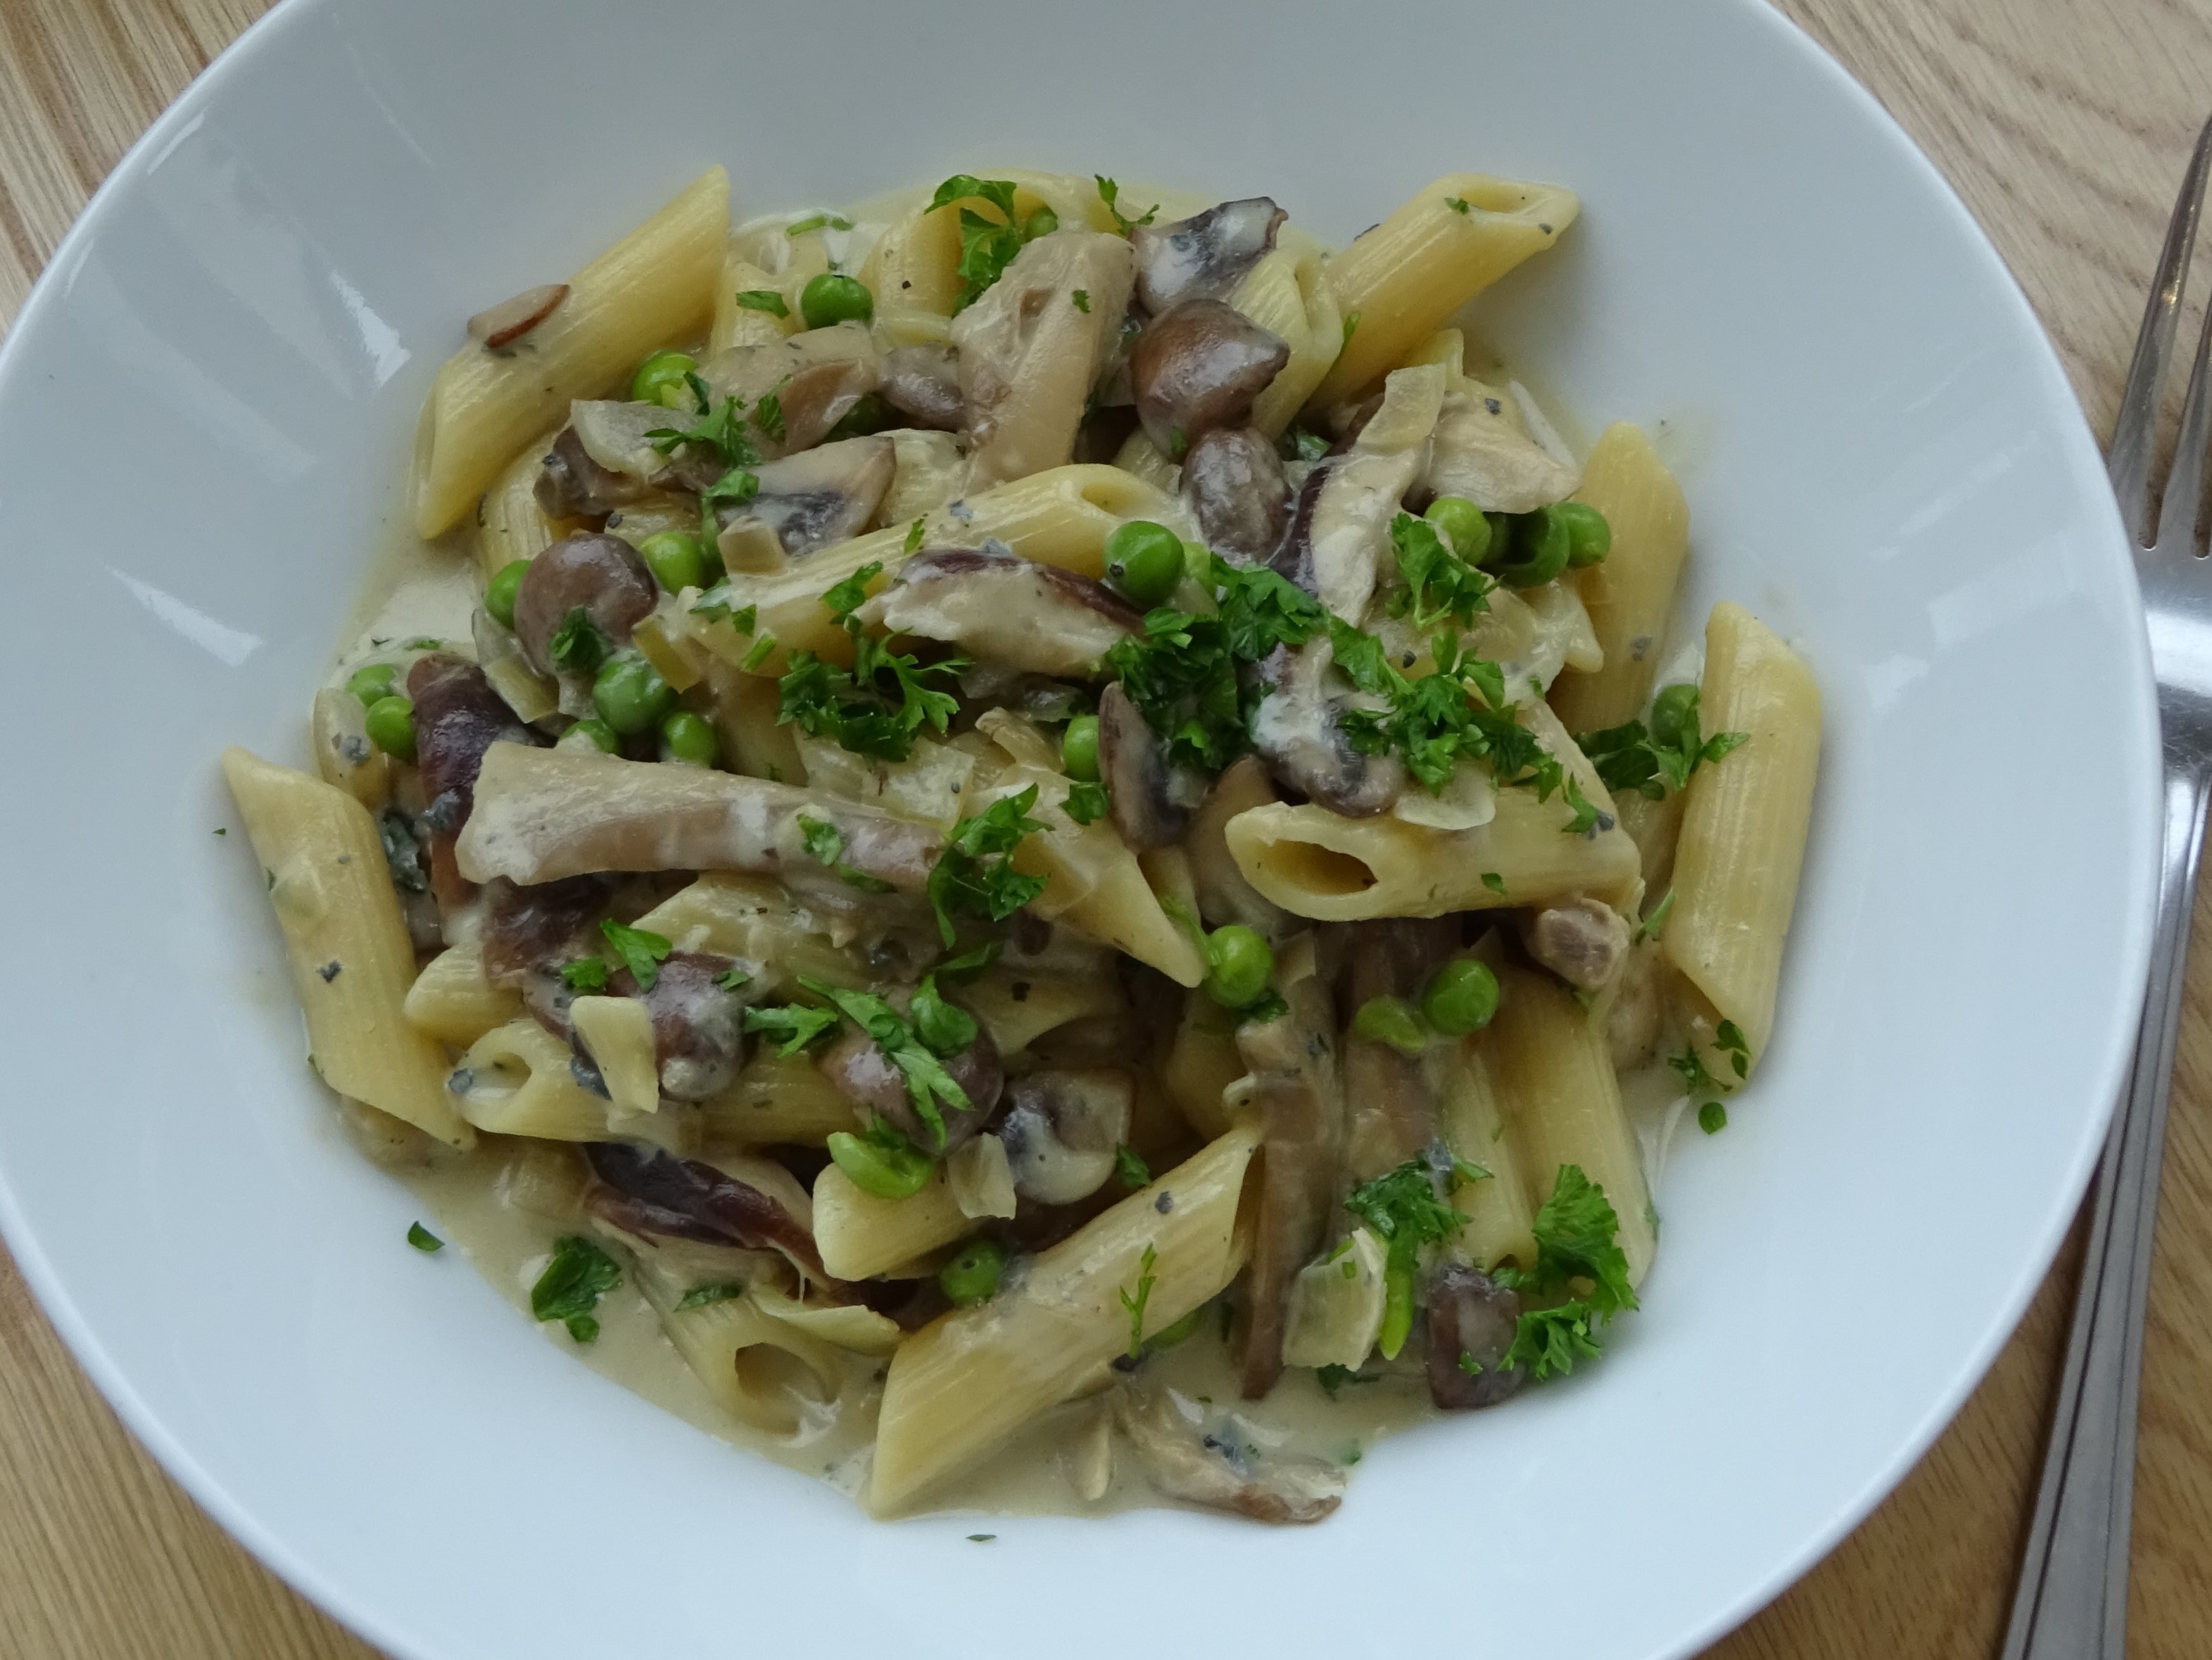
(825, 844)
(767, 300)
(1458, 204)
(914, 535)
(733, 979)
(767, 415)
(1577, 1238)
(1439, 584)
(1493, 881)
(585, 974)
(1086, 803)
(1110, 194)
(1649, 927)
(1130, 1166)
(1587, 820)
(641, 951)
(720, 1291)
(1695, 1079)
(1133, 1303)
(798, 228)
(986, 246)
(577, 645)
(796, 1024)
(1404, 1209)
(927, 1083)
(721, 430)
(422, 1239)
(1548, 1342)
(1712, 1118)
(1081, 299)
(572, 1283)
(969, 963)
(1729, 1039)
(1302, 443)
(1631, 757)
(1270, 1005)
(975, 873)
(1351, 325)
(945, 1028)
(855, 707)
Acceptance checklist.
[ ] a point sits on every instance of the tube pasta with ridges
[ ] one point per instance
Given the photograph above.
(1500, 1208)
(1288, 294)
(860, 1236)
(454, 1001)
(1629, 594)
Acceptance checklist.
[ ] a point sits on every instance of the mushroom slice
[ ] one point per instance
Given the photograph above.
(615, 436)
(1005, 609)
(1234, 484)
(1478, 451)
(865, 1075)
(1337, 1305)
(543, 814)
(815, 378)
(1061, 1131)
(1152, 798)
(923, 383)
(501, 325)
(1389, 1098)
(811, 500)
(602, 577)
(572, 486)
(698, 1022)
(1297, 733)
(526, 929)
(1029, 355)
(1207, 255)
(1300, 1106)
(1223, 1466)
(1199, 367)
(677, 1198)
(457, 718)
(1472, 1321)
(1583, 941)
(1342, 526)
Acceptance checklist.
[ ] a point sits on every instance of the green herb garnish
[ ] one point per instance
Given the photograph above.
(825, 844)
(767, 300)
(975, 873)
(641, 951)
(571, 1286)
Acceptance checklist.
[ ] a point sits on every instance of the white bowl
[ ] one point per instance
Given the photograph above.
(203, 415)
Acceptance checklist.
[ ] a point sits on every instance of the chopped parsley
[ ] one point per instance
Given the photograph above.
(733, 979)
(641, 951)
(720, 1291)
(577, 645)
(1270, 1005)
(947, 1028)
(1632, 756)
(1351, 325)
(1302, 443)
(767, 300)
(571, 1286)
(975, 873)
(1696, 1081)
(718, 610)
(914, 535)
(798, 228)
(879, 705)
(1439, 584)
(1130, 1166)
(1458, 710)
(736, 488)
(585, 974)
(1493, 881)
(719, 428)
(1405, 1209)
(1086, 803)
(1729, 1039)
(825, 845)
(1333, 1378)
(422, 1239)
(1458, 204)
(1133, 1303)
(1712, 1118)
(1081, 299)
(1110, 194)
(423, 642)
(1649, 927)
(794, 1025)
(767, 414)
(927, 1083)
(988, 247)
(1587, 820)
(1577, 1244)
(1548, 1342)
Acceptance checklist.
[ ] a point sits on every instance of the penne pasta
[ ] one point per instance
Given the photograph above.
(452, 999)
(1629, 594)
(860, 1236)
(1288, 294)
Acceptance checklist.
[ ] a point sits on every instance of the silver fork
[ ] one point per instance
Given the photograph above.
(2072, 1602)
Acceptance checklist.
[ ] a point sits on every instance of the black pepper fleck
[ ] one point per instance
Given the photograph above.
(1164, 1203)
(330, 971)
(1493, 406)
(1021, 991)
(1547, 229)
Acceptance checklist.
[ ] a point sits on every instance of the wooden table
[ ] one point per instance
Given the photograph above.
(2063, 124)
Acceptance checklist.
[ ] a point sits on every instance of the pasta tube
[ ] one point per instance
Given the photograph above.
(860, 1236)
(454, 1001)
(1630, 593)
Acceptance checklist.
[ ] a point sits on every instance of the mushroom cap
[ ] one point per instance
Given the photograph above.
(1199, 366)
(601, 575)
(572, 486)
(819, 496)
(923, 383)
(1205, 255)
(698, 1026)
(1470, 1315)
(1234, 484)
(866, 1076)
(1061, 1130)
(1004, 610)
(1153, 799)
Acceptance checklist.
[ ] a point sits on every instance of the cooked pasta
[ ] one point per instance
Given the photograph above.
(1047, 815)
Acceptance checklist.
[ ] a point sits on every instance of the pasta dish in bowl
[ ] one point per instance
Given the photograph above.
(1055, 829)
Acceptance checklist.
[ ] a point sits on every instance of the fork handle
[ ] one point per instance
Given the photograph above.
(2072, 1603)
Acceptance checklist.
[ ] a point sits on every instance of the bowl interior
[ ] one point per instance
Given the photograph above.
(1882, 460)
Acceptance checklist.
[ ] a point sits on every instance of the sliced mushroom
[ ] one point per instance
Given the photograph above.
(572, 486)
(1152, 798)
(1582, 940)
(866, 1076)
(1223, 1465)
(923, 383)
(501, 325)
(1199, 367)
(698, 1023)
(526, 929)
(1012, 612)
(1029, 355)
(1205, 255)
(815, 378)
(458, 717)
(818, 496)
(1390, 1100)
(543, 814)
(1481, 454)
(601, 576)
(1472, 1321)
(1234, 484)
(1298, 732)
(617, 435)
(1341, 528)
(1061, 1130)
(657, 1192)
(1300, 1105)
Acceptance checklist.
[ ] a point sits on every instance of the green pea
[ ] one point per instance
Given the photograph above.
(830, 298)
(1240, 965)
(631, 695)
(1078, 750)
(1589, 538)
(1673, 712)
(677, 559)
(877, 1167)
(371, 681)
(391, 723)
(1463, 526)
(660, 379)
(690, 738)
(1043, 223)
(972, 1275)
(1541, 544)
(590, 736)
(1391, 1020)
(500, 592)
(1461, 998)
(1144, 562)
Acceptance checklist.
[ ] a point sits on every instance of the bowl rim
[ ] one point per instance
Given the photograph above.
(369, 1622)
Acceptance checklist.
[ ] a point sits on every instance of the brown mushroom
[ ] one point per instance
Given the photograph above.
(458, 716)
(1199, 367)
(650, 1191)
(818, 496)
(1582, 940)
(923, 383)
(1061, 1130)
(1004, 610)
(1220, 1464)
(501, 325)
(867, 1077)
(1153, 799)
(572, 486)
(603, 578)
(1205, 255)
(698, 1022)
(1471, 1322)
(1298, 732)
(815, 378)
(1234, 484)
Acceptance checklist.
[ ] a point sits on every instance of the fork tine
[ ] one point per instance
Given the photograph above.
(2133, 432)
(2184, 505)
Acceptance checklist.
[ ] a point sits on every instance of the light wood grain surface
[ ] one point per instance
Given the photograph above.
(2063, 124)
